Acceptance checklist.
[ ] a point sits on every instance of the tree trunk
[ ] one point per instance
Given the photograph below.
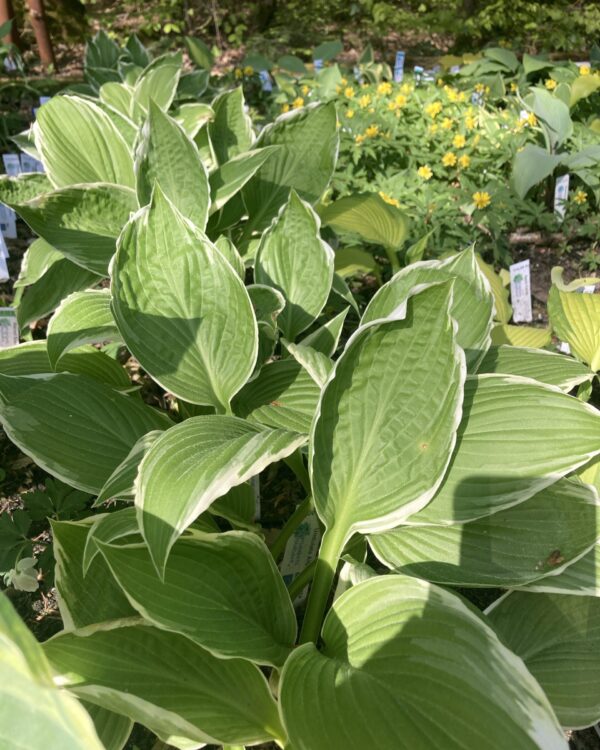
(6, 14)
(40, 29)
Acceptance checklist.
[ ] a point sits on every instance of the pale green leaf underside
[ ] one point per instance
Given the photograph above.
(558, 638)
(193, 464)
(406, 665)
(82, 318)
(75, 428)
(507, 447)
(472, 307)
(166, 682)
(510, 548)
(539, 364)
(181, 308)
(387, 419)
(221, 590)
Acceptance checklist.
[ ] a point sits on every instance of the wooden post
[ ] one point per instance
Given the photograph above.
(40, 29)
(6, 14)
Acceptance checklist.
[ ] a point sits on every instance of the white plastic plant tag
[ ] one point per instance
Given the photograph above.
(9, 64)
(588, 289)
(29, 164)
(265, 80)
(4, 275)
(9, 329)
(3, 248)
(44, 100)
(399, 66)
(255, 484)
(455, 69)
(477, 98)
(520, 291)
(301, 549)
(561, 193)
(564, 347)
(8, 222)
(12, 165)
(418, 74)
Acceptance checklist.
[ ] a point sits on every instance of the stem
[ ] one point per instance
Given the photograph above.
(302, 579)
(329, 554)
(296, 463)
(393, 259)
(302, 510)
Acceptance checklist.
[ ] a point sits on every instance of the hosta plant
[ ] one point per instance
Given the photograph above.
(433, 461)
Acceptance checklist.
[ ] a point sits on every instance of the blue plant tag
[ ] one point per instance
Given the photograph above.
(399, 66)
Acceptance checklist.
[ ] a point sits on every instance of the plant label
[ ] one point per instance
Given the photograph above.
(265, 80)
(9, 329)
(12, 165)
(30, 164)
(3, 248)
(4, 275)
(455, 69)
(302, 547)
(8, 223)
(9, 64)
(561, 193)
(564, 347)
(44, 100)
(399, 66)
(520, 291)
(418, 74)
(318, 64)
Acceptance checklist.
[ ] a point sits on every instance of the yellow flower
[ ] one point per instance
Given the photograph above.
(479, 88)
(584, 70)
(425, 172)
(371, 110)
(384, 88)
(349, 92)
(364, 101)
(350, 113)
(406, 88)
(238, 72)
(449, 159)
(464, 161)
(359, 138)
(514, 87)
(248, 70)
(580, 197)
(285, 107)
(305, 90)
(344, 81)
(459, 141)
(372, 131)
(298, 102)
(462, 97)
(532, 119)
(451, 93)
(400, 100)
(388, 199)
(470, 122)
(433, 109)
(447, 123)
(482, 199)
(550, 84)
(487, 90)
(433, 128)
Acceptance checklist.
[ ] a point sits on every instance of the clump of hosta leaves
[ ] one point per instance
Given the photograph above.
(453, 462)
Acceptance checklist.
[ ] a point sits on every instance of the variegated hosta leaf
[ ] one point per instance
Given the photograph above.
(406, 665)
(507, 447)
(193, 116)
(537, 538)
(558, 638)
(539, 364)
(268, 304)
(158, 84)
(193, 464)
(82, 318)
(221, 590)
(316, 364)
(117, 96)
(283, 395)
(238, 506)
(309, 144)
(326, 338)
(499, 290)
(473, 304)
(84, 599)
(33, 713)
(112, 729)
(232, 175)
(120, 483)
(78, 144)
(199, 345)
(23, 188)
(527, 336)
(82, 221)
(228, 250)
(231, 128)
(582, 578)
(386, 424)
(73, 427)
(166, 155)
(294, 259)
(165, 681)
(575, 319)
(108, 528)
